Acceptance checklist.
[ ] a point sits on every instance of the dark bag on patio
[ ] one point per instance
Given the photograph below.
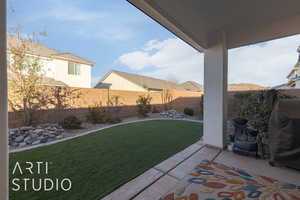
(284, 133)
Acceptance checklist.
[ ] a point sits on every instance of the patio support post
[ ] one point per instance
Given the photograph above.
(3, 106)
(215, 93)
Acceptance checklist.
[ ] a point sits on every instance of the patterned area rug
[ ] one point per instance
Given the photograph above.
(215, 181)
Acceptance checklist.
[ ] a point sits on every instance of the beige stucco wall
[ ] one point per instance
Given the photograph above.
(120, 83)
(61, 73)
(58, 70)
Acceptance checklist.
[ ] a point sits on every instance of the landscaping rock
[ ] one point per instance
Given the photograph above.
(19, 139)
(23, 144)
(33, 135)
(36, 142)
(59, 137)
(44, 140)
(173, 114)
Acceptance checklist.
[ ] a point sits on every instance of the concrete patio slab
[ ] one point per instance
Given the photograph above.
(170, 163)
(206, 153)
(165, 176)
(133, 187)
(260, 167)
(158, 189)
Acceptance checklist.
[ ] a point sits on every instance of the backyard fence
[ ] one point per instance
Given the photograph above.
(90, 97)
(126, 101)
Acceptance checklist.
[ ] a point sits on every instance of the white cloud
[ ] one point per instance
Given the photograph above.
(70, 13)
(171, 58)
(265, 64)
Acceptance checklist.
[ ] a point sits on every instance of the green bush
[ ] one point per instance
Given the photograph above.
(257, 106)
(71, 122)
(189, 111)
(155, 109)
(144, 106)
(114, 120)
(97, 114)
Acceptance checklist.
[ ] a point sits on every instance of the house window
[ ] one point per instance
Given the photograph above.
(74, 68)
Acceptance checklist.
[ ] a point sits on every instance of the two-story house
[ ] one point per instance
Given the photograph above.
(60, 69)
(294, 75)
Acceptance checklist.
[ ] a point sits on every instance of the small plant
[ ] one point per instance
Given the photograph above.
(71, 122)
(167, 98)
(97, 114)
(189, 111)
(144, 106)
(155, 109)
(114, 120)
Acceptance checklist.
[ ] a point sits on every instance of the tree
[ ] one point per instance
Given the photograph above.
(167, 98)
(24, 75)
(63, 97)
(144, 105)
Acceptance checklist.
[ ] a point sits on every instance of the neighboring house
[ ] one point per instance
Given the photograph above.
(117, 80)
(293, 77)
(192, 86)
(60, 69)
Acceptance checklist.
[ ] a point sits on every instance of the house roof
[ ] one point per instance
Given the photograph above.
(192, 86)
(38, 49)
(243, 22)
(52, 82)
(146, 82)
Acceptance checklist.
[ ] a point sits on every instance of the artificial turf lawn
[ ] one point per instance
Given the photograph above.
(100, 162)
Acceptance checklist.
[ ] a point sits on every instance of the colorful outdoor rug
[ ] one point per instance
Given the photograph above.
(215, 181)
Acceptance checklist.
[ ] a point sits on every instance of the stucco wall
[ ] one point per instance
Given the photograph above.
(61, 73)
(120, 83)
(58, 69)
(89, 97)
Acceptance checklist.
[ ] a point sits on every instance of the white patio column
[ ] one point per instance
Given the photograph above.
(3, 106)
(215, 93)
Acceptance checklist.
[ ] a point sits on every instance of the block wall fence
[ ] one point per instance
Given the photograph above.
(89, 97)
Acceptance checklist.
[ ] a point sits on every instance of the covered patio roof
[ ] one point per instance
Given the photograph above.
(214, 26)
(198, 22)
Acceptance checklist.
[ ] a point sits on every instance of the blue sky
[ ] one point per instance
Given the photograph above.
(116, 35)
(98, 30)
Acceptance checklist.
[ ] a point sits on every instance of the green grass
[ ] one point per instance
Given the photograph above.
(100, 162)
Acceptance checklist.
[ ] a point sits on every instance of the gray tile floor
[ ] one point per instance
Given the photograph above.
(163, 177)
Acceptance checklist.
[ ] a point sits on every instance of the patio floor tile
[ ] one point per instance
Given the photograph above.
(259, 166)
(185, 167)
(170, 163)
(133, 187)
(158, 188)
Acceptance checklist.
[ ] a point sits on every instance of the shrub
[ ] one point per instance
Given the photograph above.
(257, 107)
(189, 111)
(71, 122)
(144, 106)
(155, 109)
(114, 120)
(97, 114)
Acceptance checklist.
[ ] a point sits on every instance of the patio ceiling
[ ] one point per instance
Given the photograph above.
(245, 22)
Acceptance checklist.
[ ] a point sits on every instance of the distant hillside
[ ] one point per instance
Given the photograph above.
(245, 87)
(193, 86)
